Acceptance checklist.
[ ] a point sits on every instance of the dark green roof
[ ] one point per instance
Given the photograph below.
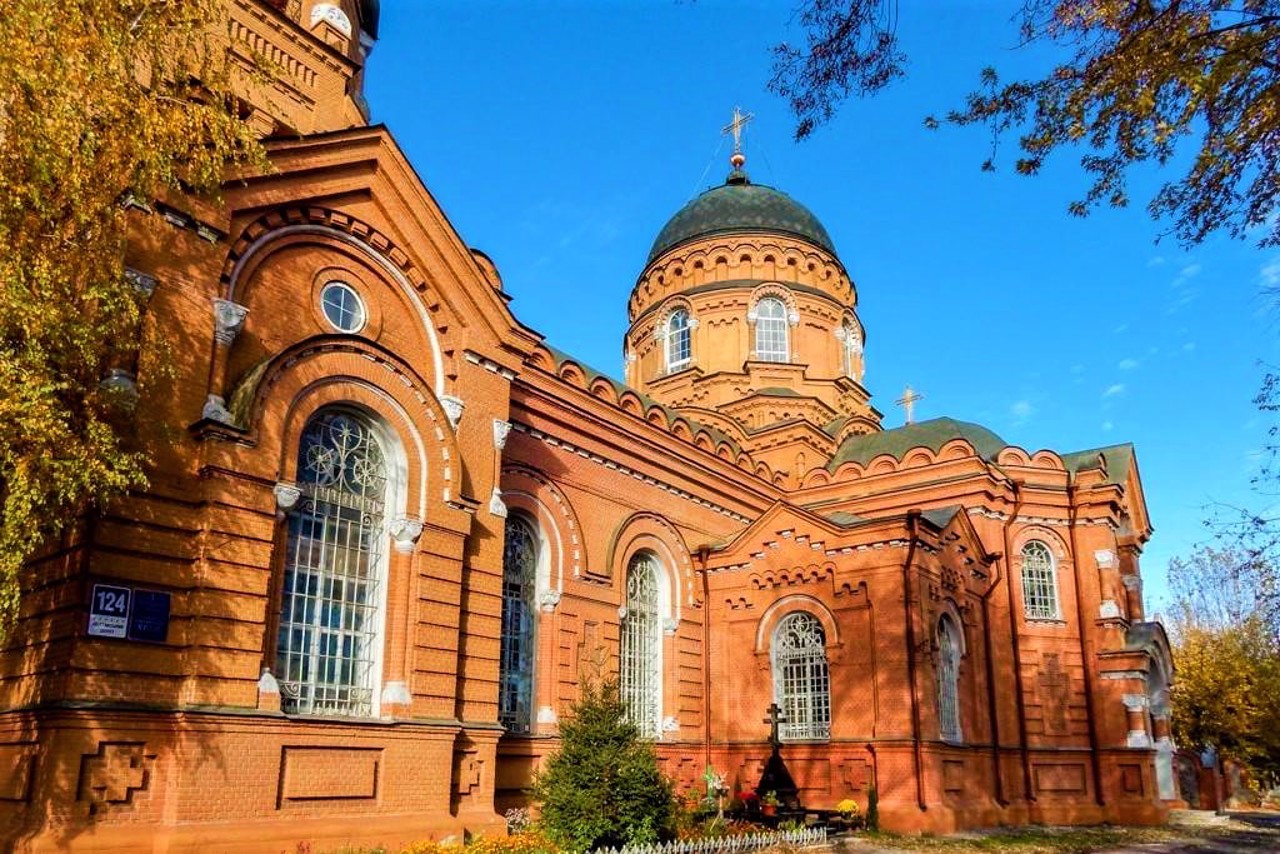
(740, 206)
(1119, 459)
(932, 434)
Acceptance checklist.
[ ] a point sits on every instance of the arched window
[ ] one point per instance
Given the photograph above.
(515, 675)
(641, 651)
(851, 348)
(771, 331)
(1039, 582)
(801, 682)
(679, 340)
(328, 649)
(949, 646)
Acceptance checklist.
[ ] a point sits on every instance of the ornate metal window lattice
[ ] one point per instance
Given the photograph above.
(948, 679)
(641, 651)
(1039, 586)
(771, 331)
(679, 340)
(327, 650)
(515, 678)
(801, 679)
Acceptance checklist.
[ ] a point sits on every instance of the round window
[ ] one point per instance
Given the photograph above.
(342, 307)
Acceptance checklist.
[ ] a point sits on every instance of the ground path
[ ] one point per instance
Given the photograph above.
(1197, 832)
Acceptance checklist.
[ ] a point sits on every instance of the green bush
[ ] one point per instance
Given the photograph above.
(603, 787)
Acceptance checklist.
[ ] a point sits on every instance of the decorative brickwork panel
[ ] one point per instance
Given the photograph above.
(328, 774)
(1060, 778)
(1131, 779)
(115, 774)
(953, 776)
(17, 768)
(811, 775)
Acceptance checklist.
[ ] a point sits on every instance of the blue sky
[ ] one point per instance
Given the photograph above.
(560, 136)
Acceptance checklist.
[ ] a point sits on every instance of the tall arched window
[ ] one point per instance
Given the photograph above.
(679, 340)
(327, 653)
(1039, 582)
(851, 349)
(771, 331)
(949, 647)
(801, 681)
(515, 674)
(641, 651)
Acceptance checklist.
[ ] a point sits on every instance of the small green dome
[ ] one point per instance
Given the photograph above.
(741, 206)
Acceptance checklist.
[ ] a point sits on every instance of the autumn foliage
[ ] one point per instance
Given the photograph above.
(100, 103)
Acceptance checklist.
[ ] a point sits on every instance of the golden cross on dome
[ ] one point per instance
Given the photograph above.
(908, 402)
(735, 127)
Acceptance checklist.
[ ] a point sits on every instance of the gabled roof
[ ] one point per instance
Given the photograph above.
(1115, 460)
(931, 434)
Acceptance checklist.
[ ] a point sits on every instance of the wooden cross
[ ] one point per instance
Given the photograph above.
(735, 127)
(1054, 686)
(908, 402)
(775, 717)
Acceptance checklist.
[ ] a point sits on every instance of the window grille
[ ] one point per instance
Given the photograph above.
(801, 678)
(1039, 585)
(342, 307)
(327, 649)
(679, 340)
(948, 680)
(851, 345)
(641, 651)
(515, 679)
(771, 331)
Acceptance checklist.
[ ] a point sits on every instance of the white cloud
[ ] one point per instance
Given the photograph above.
(1121, 329)
(1269, 275)
(1021, 411)
(1113, 390)
(1106, 426)
(1189, 271)
(1156, 261)
(1188, 347)
(1127, 364)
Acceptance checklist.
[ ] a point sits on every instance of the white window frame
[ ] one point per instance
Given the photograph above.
(309, 619)
(1039, 582)
(950, 649)
(802, 677)
(679, 340)
(519, 627)
(360, 315)
(640, 646)
(773, 331)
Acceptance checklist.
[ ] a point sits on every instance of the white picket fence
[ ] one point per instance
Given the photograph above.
(727, 844)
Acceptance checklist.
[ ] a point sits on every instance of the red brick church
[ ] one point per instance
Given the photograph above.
(390, 529)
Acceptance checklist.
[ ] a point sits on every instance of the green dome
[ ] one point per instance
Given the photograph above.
(740, 206)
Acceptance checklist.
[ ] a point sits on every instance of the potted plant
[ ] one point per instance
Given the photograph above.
(848, 810)
(769, 803)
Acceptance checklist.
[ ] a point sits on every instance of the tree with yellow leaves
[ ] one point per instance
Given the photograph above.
(1140, 77)
(100, 103)
(1226, 643)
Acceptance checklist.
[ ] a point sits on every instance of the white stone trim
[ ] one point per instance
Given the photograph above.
(228, 320)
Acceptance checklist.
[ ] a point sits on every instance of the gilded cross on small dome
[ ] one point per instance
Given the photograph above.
(908, 402)
(735, 127)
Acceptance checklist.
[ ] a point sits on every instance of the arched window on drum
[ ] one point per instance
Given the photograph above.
(329, 646)
(801, 679)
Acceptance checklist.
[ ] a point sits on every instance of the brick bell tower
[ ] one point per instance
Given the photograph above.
(745, 319)
(317, 50)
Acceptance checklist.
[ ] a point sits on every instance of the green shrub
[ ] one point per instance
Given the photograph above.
(603, 787)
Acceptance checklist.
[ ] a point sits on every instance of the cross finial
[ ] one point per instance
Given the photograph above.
(908, 402)
(740, 120)
(775, 717)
